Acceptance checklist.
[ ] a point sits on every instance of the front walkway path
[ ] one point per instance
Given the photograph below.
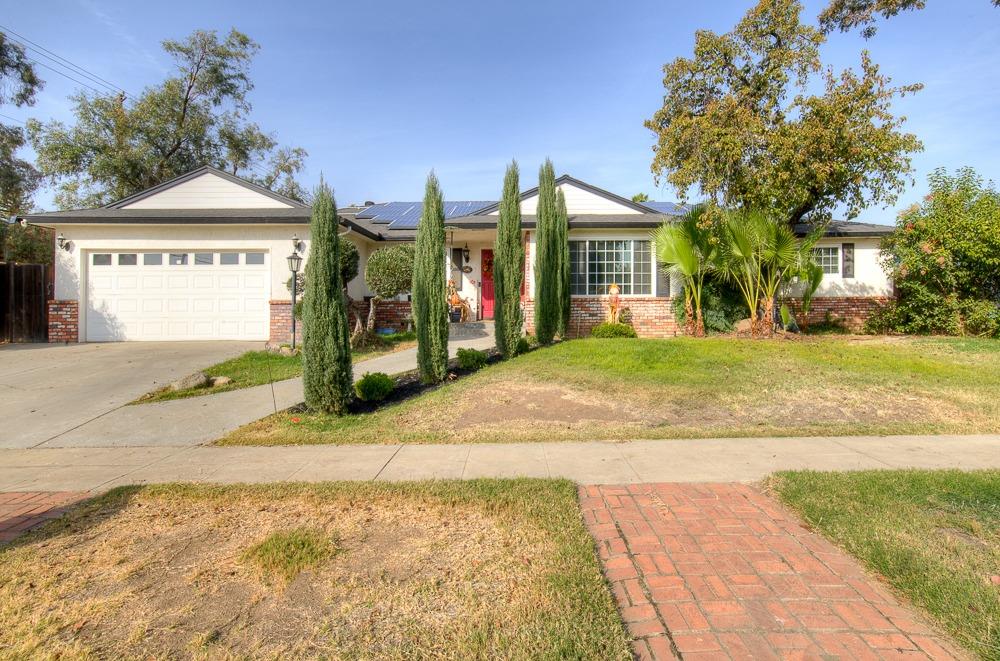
(20, 511)
(705, 460)
(720, 571)
(195, 420)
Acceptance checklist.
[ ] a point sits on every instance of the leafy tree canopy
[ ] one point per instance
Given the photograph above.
(18, 84)
(640, 197)
(738, 123)
(389, 271)
(845, 15)
(198, 115)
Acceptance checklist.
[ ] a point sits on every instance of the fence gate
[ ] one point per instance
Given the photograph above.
(23, 303)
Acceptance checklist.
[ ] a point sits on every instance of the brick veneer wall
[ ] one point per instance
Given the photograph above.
(388, 314)
(64, 321)
(851, 310)
(651, 317)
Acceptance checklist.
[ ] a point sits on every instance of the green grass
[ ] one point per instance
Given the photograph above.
(255, 368)
(684, 387)
(525, 582)
(287, 553)
(933, 535)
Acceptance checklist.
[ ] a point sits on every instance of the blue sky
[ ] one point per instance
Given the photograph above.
(381, 92)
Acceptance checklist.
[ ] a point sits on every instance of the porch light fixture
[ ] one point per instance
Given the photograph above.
(296, 243)
(466, 253)
(63, 243)
(294, 264)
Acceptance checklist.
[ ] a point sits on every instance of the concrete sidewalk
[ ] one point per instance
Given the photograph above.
(197, 420)
(705, 460)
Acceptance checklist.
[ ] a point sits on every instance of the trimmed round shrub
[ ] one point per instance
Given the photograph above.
(374, 387)
(523, 346)
(472, 359)
(613, 330)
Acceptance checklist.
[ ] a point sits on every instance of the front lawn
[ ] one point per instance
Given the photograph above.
(933, 535)
(633, 389)
(457, 570)
(255, 368)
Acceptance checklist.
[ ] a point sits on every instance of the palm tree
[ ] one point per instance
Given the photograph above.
(687, 250)
(760, 253)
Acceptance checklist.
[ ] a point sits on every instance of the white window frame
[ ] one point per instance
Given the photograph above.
(835, 251)
(586, 240)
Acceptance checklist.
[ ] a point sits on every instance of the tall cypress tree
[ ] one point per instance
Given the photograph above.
(430, 291)
(547, 271)
(562, 225)
(326, 345)
(508, 264)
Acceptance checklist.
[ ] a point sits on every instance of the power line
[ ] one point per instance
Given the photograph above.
(62, 61)
(13, 119)
(66, 75)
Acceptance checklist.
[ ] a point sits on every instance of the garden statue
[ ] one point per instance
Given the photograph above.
(458, 307)
(613, 303)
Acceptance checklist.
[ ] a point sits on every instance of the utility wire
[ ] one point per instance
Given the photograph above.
(66, 75)
(13, 119)
(55, 57)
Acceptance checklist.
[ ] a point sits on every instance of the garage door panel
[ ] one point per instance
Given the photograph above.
(173, 300)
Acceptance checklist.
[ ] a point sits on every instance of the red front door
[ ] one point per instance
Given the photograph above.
(486, 265)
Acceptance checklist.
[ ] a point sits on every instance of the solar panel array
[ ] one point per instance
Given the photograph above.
(668, 207)
(406, 215)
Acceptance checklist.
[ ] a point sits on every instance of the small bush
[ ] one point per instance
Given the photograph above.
(374, 387)
(982, 318)
(523, 346)
(829, 326)
(472, 359)
(613, 330)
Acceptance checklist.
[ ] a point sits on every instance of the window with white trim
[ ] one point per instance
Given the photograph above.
(828, 258)
(597, 263)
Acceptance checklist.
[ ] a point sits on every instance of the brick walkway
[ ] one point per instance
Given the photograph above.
(21, 510)
(718, 571)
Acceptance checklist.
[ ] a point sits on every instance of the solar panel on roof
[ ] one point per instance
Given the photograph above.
(668, 207)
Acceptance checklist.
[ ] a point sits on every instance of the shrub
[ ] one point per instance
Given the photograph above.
(374, 387)
(829, 325)
(523, 346)
(508, 263)
(721, 307)
(472, 359)
(982, 318)
(613, 330)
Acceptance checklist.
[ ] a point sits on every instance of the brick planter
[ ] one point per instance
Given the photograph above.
(851, 310)
(64, 321)
(651, 317)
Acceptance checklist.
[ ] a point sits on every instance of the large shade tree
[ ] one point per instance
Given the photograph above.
(548, 308)
(326, 348)
(508, 266)
(19, 179)
(118, 146)
(740, 124)
(845, 15)
(430, 304)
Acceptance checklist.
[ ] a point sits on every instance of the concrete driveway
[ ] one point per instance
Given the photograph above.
(47, 390)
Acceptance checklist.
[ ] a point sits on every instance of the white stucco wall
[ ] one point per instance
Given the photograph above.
(273, 239)
(869, 278)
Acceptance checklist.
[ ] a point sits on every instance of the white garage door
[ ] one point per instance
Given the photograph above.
(177, 296)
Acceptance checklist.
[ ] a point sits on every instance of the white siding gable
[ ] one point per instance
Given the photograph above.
(578, 202)
(208, 191)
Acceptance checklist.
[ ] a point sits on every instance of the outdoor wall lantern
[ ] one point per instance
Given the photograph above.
(63, 243)
(294, 264)
(466, 253)
(296, 243)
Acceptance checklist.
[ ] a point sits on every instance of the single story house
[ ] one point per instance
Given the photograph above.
(203, 257)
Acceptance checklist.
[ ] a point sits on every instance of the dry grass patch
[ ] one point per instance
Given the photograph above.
(421, 570)
(634, 389)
